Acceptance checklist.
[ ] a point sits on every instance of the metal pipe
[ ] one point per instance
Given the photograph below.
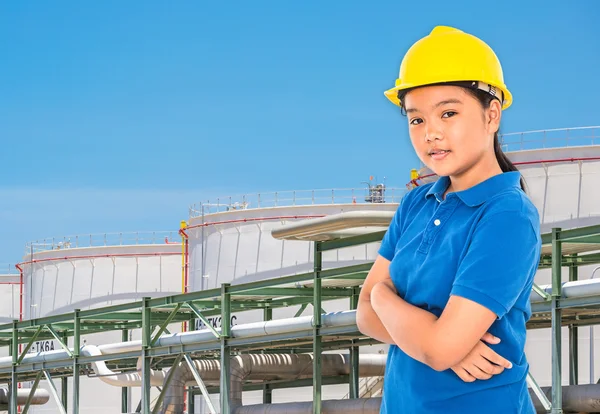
(575, 398)
(40, 396)
(351, 406)
(279, 326)
(264, 367)
(580, 288)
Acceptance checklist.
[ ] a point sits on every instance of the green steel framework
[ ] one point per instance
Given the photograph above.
(570, 248)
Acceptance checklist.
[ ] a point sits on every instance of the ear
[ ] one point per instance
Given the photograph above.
(494, 115)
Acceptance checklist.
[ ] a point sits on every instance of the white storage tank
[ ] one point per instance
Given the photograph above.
(231, 242)
(10, 292)
(85, 272)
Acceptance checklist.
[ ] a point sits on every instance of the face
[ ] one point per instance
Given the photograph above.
(450, 131)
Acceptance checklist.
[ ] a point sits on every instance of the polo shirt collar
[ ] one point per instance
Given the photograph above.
(478, 194)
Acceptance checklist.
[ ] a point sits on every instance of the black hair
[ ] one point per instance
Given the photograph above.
(485, 99)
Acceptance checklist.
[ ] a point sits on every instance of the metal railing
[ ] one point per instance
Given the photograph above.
(550, 138)
(374, 194)
(103, 239)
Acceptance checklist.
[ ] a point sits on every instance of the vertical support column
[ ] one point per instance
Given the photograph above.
(146, 342)
(556, 322)
(64, 381)
(354, 351)
(14, 382)
(76, 348)
(267, 391)
(64, 391)
(317, 383)
(225, 351)
(573, 338)
(125, 390)
(191, 401)
(191, 396)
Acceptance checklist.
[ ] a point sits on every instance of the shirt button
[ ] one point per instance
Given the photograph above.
(437, 222)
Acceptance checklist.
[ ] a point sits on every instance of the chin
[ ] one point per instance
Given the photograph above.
(442, 171)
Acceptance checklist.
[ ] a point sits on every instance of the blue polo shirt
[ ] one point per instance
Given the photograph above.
(482, 244)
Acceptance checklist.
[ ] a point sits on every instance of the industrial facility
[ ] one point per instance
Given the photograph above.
(248, 305)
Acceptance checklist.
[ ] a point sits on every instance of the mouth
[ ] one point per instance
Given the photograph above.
(438, 154)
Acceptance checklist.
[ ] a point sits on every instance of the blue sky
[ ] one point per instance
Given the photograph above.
(116, 116)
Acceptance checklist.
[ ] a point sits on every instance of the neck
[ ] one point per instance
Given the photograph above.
(474, 175)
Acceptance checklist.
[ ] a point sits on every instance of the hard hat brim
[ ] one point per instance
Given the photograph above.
(392, 94)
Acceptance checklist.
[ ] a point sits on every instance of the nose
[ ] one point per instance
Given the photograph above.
(432, 132)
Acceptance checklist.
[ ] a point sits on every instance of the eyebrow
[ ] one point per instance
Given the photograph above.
(437, 105)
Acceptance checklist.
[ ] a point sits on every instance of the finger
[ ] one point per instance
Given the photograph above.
(495, 358)
(463, 374)
(486, 366)
(477, 373)
(490, 339)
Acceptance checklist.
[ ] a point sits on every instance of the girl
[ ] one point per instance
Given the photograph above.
(456, 266)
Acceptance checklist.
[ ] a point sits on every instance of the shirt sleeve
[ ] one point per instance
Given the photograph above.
(390, 239)
(500, 263)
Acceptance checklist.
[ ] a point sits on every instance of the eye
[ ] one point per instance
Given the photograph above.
(416, 121)
(448, 114)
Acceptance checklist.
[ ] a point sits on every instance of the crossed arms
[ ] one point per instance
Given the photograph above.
(454, 340)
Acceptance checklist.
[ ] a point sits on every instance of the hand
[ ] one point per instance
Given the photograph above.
(481, 363)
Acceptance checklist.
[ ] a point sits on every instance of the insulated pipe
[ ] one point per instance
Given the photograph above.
(40, 396)
(578, 288)
(267, 367)
(350, 406)
(279, 326)
(131, 379)
(311, 229)
(576, 398)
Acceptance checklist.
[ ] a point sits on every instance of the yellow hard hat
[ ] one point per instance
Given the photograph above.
(449, 55)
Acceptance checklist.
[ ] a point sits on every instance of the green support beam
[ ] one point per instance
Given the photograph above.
(556, 322)
(200, 383)
(317, 380)
(200, 316)
(354, 352)
(164, 325)
(146, 345)
(36, 382)
(578, 260)
(14, 381)
(76, 353)
(225, 350)
(161, 396)
(125, 390)
(54, 392)
(572, 235)
(266, 389)
(64, 383)
(59, 340)
(29, 344)
(573, 339)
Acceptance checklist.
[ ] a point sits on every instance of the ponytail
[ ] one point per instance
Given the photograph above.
(505, 163)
